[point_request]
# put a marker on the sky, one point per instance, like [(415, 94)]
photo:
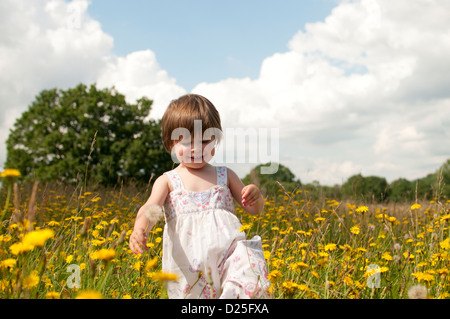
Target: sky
[(328, 88)]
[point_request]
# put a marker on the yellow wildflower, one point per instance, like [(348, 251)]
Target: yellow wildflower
[(362, 209), (291, 287), (52, 295), (137, 265), (386, 256), (355, 230), (151, 264), (19, 248), (298, 264), (445, 244), (274, 275), (330, 247), (89, 294), (103, 254), (163, 276), (31, 281), (38, 237), (415, 206), (8, 263), (423, 276), (10, 172)]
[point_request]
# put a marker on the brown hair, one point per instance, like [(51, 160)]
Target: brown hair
[(182, 112)]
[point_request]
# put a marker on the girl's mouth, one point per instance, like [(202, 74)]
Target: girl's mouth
[(197, 159)]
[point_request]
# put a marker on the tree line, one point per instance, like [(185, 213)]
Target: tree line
[(85, 133), (358, 187)]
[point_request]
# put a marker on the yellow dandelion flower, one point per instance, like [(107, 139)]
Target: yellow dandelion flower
[(19, 248), (37, 237), (52, 295), (392, 219), (330, 247), (69, 259), (89, 294), (245, 227), (10, 172), (423, 276), (415, 206), (163, 276), (151, 264), (348, 280), (127, 296), (292, 287), (298, 264), (274, 275), (8, 263), (103, 254), (137, 265), (386, 256), (362, 209), (445, 244), (53, 223), (31, 281), (355, 230)]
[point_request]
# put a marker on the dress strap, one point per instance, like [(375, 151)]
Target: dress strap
[(222, 176), (175, 179)]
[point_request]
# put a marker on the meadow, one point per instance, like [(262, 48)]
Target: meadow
[(60, 241)]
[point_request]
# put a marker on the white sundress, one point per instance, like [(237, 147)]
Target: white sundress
[(202, 244)]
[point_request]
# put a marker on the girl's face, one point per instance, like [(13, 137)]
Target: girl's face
[(194, 152)]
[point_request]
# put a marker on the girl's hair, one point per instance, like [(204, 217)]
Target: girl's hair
[(182, 112)]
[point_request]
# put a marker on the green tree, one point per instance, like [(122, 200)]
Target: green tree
[(268, 182), (366, 188), (67, 133), (402, 190)]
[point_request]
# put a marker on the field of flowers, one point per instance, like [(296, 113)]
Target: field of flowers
[(58, 241)]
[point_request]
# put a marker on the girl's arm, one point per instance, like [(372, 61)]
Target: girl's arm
[(142, 225), (249, 197)]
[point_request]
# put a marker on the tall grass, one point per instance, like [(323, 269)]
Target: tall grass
[(315, 248)]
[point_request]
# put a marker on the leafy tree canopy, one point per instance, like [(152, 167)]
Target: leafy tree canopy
[(268, 182), (67, 133), (368, 188)]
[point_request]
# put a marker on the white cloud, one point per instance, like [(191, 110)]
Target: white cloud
[(138, 74), (365, 91), (54, 43)]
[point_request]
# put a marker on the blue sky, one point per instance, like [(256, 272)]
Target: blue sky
[(205, 40), (353, 86)]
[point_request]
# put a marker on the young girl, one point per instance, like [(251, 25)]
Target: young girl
[(202, 243)]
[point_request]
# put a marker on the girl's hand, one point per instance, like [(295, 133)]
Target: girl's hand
[(250, 195), (138, 240)]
